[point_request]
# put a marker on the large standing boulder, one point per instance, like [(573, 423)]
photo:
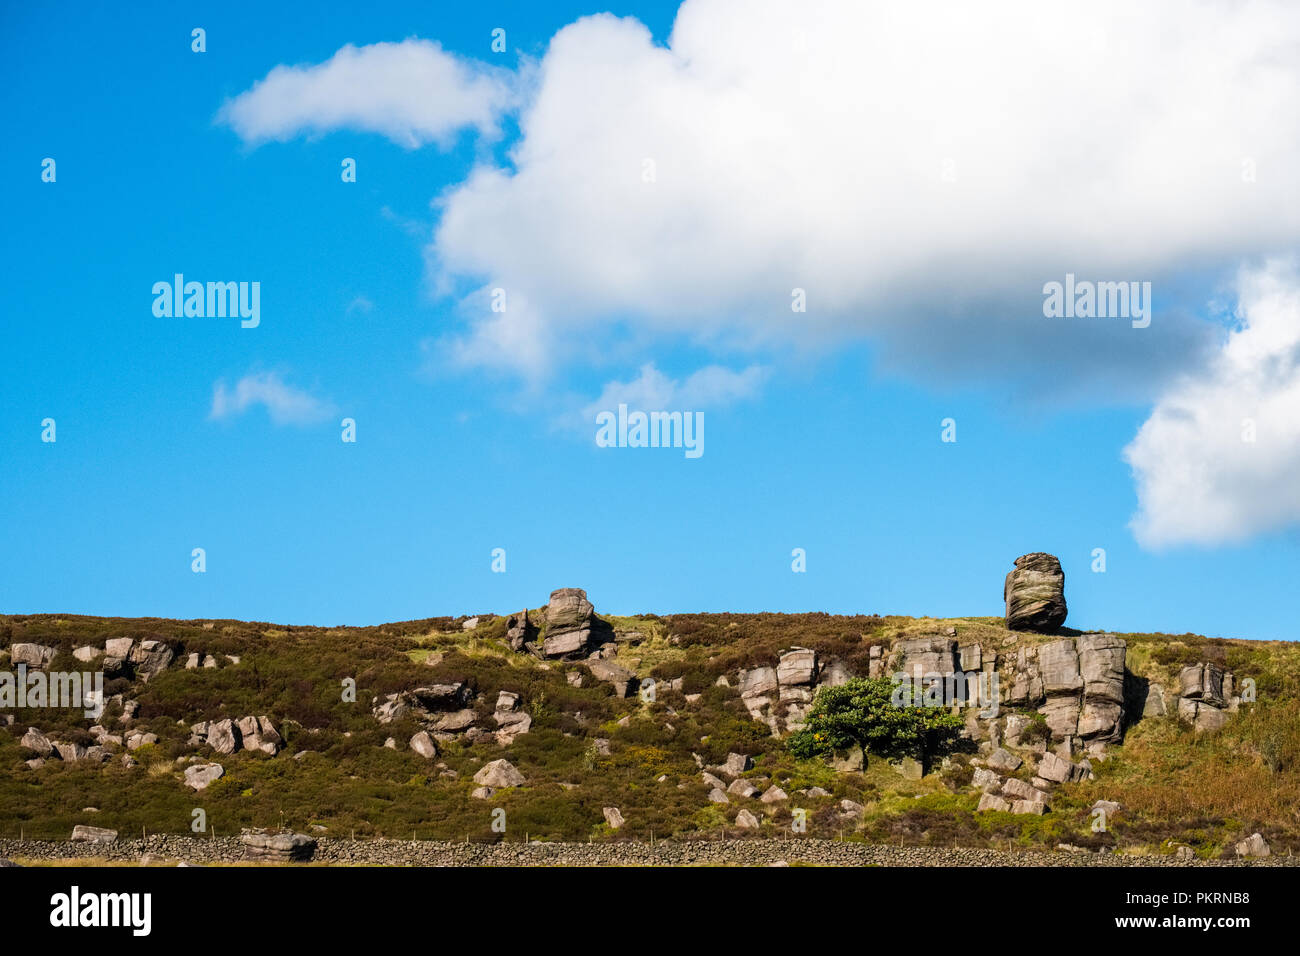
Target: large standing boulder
[(1035, 594), (569, 623)]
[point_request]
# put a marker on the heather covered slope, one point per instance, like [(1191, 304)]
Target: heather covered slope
[(580, 746)]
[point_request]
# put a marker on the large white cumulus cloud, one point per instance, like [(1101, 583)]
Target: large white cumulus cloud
[(1219, 459), (920, 169)]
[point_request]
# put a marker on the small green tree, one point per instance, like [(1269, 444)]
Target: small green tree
[(877, 716)]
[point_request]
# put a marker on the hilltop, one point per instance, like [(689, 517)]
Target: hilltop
[(677, 723)]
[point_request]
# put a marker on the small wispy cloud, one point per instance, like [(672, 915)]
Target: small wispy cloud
[(284, 404), (713, 386)]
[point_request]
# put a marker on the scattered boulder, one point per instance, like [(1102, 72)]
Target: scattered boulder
[(265, 846), (257, 733), (614, 817), (33, 655), (1054, 768), (37, 741), (519, 630), (139, 738), (499, 774), (1205, 696), (746, 820), (1004, 761), (438, 697), (511, 724), (84, 834), (198, 776), (740, 787), (454, 722), (1029, 806), (423, 745), (1108, 807), (797, 667), (774, 794), (219, 735), (116, 652), (736, 764), (991, 801), (1154, 705), (623, 681), (69, 753), (1253, 846), (910, 768), (713, 781), (149, 658), (1019, 790), (1034, 593)]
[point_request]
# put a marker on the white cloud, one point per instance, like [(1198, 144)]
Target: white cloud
[(806, 145), (284, 404), (413, 92), (710, 387), (1198, 482)]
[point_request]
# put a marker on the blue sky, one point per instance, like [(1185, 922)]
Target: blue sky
[(822, 428)]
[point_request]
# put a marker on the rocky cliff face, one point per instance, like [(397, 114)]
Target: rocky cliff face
[(455, 697)]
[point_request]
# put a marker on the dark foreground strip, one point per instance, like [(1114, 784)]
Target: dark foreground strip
[(304, 905)]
